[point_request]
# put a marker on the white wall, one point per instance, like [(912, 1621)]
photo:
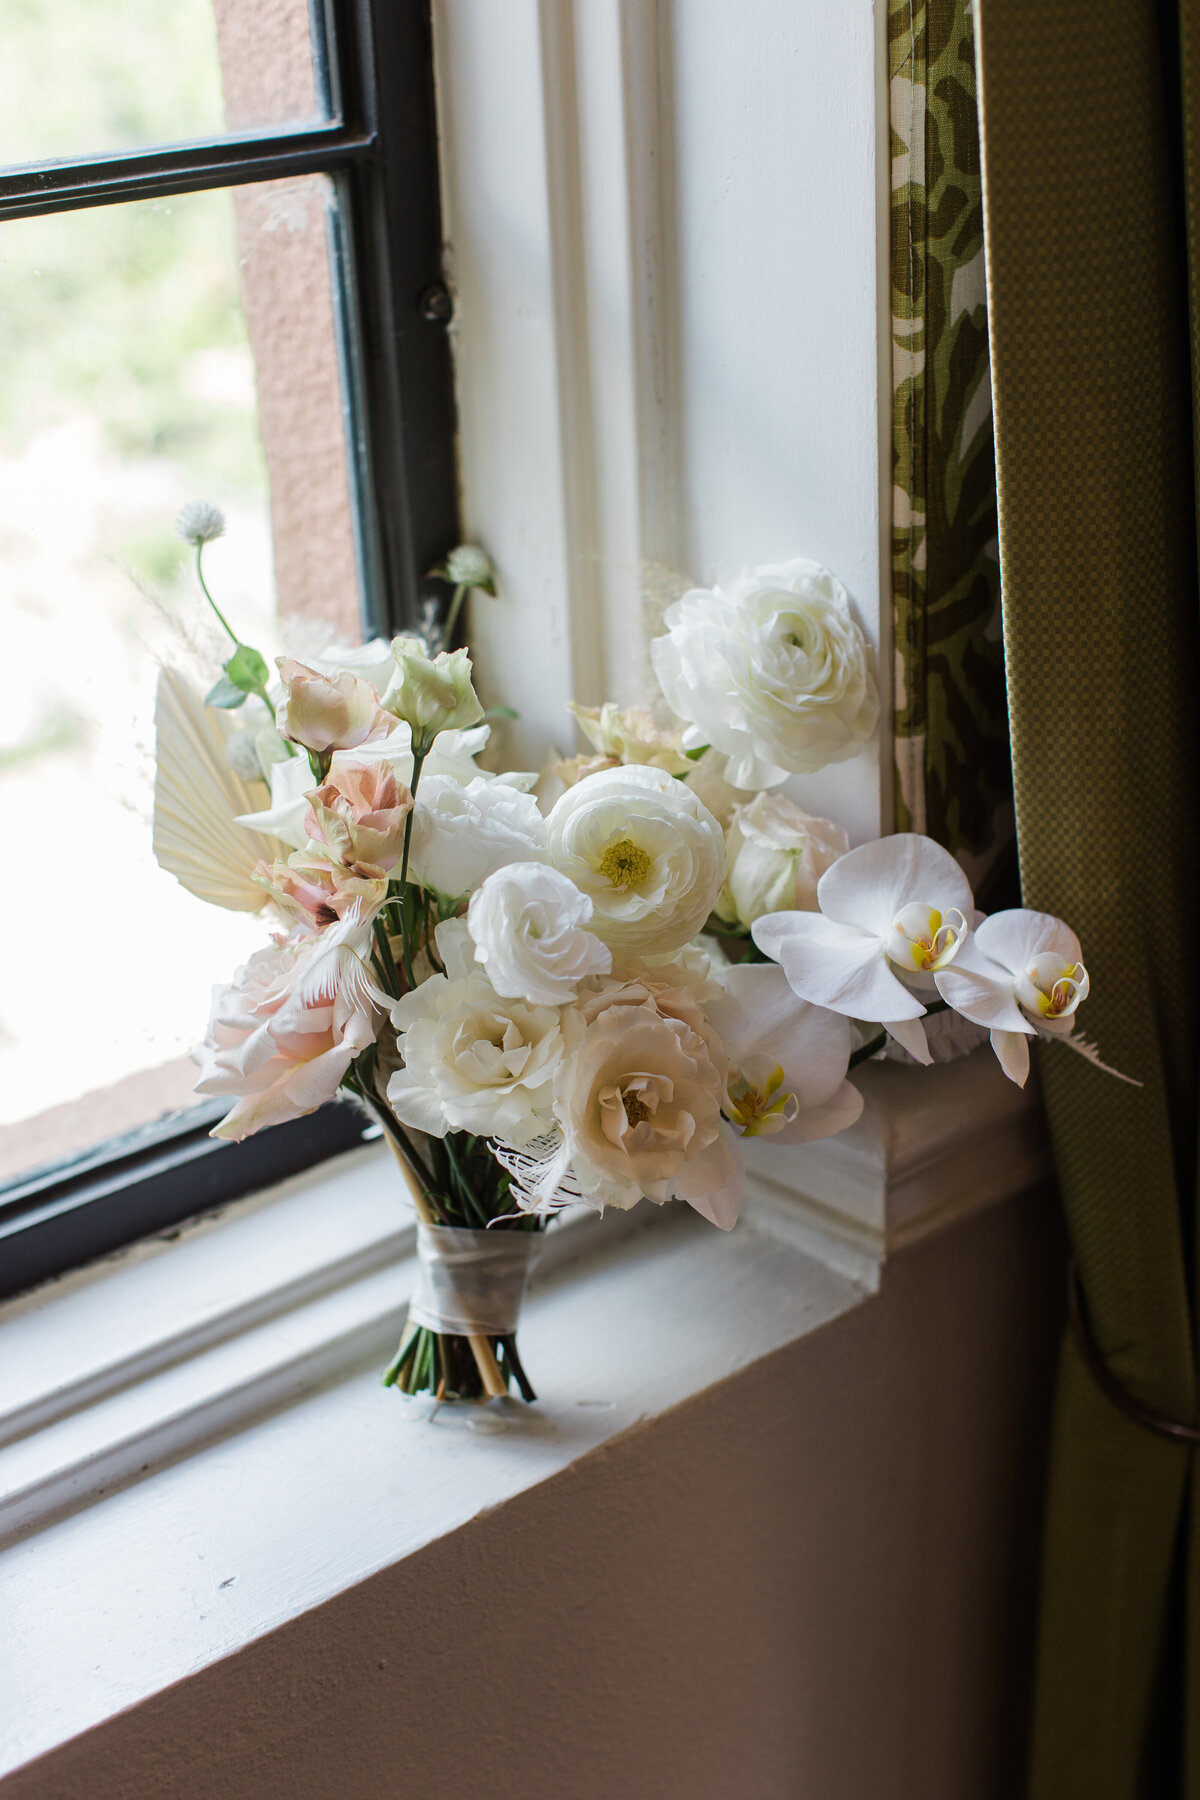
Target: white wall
[(666, 231)]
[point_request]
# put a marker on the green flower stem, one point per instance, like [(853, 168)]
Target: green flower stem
[(406, 936), (460, 594), (234, 639), (387, 960)]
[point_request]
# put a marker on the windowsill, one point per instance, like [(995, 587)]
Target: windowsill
[(195, 1447)]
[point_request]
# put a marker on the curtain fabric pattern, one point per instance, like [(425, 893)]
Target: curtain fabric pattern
[(1090, 167), (951, 744)]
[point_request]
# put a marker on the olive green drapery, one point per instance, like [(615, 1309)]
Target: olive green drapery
[(1090, 116)]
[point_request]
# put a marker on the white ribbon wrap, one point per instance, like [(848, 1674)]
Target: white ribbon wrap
[(471, 1282)]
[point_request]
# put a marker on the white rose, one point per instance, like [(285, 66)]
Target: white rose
[(775, 856), (527, 923), (461, 835), (648, 854), (473, 1061), (638, 1102), (775, 673)]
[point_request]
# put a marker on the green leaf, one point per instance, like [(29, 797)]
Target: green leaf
[(225, 694), (695, 755), (501, 712), (247, 670)]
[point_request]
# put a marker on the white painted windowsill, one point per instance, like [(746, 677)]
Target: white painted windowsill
[(195, 1447)]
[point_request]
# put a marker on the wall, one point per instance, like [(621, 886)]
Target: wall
[(665, 239), (814, 1581)]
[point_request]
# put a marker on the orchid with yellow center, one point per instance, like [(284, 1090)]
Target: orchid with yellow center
[(921, 938), (1021, 977), (787, 1060), (894, 914)]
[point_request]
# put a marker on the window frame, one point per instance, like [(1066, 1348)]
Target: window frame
[(374, 64)]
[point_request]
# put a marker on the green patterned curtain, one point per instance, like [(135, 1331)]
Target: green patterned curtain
[(951, 740)]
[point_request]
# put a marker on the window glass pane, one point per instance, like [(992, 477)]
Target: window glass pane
[(150, 354), (79, 78)]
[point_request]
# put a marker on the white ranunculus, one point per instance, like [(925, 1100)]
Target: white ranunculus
[(473, 1061), (528, 924), (461, 835), (775, 856), (648, 854), (775, 672)]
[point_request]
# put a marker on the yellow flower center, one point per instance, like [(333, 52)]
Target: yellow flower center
[(924, 939), (625, 864), (760, 1114)]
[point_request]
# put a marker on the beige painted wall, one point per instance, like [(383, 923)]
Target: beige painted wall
[(815, 1582)]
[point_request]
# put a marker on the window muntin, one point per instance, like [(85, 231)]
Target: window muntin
[(378, 148)]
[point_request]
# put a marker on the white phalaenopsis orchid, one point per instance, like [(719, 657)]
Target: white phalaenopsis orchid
[(894, 913), (787, 1059), (1020, 976)]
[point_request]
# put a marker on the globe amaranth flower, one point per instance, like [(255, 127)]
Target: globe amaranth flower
[(894, 914), (775, 672), (647, 853), (199, 522)]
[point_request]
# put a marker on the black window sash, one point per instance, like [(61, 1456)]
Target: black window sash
[(374, 61)]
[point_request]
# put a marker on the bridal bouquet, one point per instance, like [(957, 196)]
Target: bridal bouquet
[(586, 996)]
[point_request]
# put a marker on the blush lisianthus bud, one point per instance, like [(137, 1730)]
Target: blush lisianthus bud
[(327, 712)]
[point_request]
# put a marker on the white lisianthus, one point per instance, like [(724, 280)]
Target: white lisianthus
[(528, 924), (431, 693), (371, 662), (894, 914), (461, 835), (775, 856), (776, 672), (472, 1060), (648, 854), (452, 757)]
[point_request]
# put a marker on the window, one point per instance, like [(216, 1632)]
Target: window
[(221, 279)]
